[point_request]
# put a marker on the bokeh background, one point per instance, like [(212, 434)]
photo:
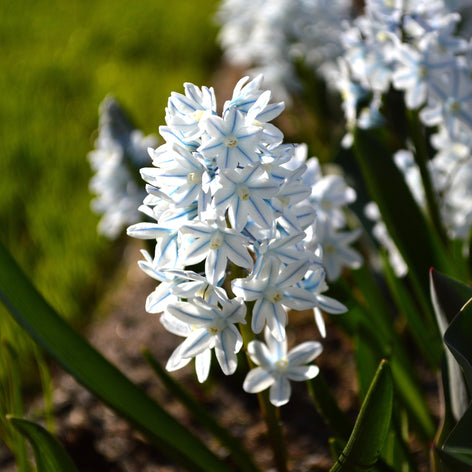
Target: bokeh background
[(58, 61)]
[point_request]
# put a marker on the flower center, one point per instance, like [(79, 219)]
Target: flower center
[(458, 149), (382, 36), (197, 114), (217, 326), (194, 178), (275, 296), (216, 240), (330, 249), (326, 205), (231, 141), (244, 193), (422, 71), (284, 200), (453, 105), (282, 364), (205, 291)]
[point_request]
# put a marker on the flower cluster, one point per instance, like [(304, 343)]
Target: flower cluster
[(413, 47), (274, 36), (119, 151), (416, 47), (237, 239)]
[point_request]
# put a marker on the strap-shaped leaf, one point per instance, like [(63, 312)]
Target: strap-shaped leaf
[(97, 374), (370, 431), (458, 339), (456, 452), (240, 455), (48, 452), (369, 350), (428, 341), (419, 245), (448, 297), (459, 442)]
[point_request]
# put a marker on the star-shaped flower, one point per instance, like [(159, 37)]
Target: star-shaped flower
[(277, 366), (243, 193), (274, 287), (216, 243), (209, 327), (231, 141)]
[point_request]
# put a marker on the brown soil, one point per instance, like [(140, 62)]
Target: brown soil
[(98, 440)]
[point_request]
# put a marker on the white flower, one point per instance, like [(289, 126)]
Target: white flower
[(119, 152), (406, 163), (274, 287), (182, 176), (215, 244), (209, 327), (277, 366), (383, 237), (166, 252), (231, 141), (243, 192), (336, 251), (185, 112), (315, 283), (416, 70), (451, 102)]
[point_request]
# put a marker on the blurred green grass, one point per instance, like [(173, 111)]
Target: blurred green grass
[(58, 60)]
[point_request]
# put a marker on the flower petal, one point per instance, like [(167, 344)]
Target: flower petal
[(280, 392), (257, 379), (302, 372), (202, 365), (304, 353)]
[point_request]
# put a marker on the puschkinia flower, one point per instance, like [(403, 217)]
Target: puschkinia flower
[(277, 367), (273, 37), (273, 288), (234, 221), (245, 193), (120, 150), (231, 141), (415, 48), (209, 327), (214, 243)]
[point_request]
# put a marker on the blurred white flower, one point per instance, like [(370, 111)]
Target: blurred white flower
[(120, 150)]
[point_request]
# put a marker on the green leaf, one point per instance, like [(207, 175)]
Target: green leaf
[(459, 442), (429, 341), (419, 245), (448, 297), (450, 294), (369, 350), (49, 454), (458, 339), (448, 418), (372, 425), (450, 463), (328, 408), (97, 374), (456, 452), (13, 399), (240, 455)]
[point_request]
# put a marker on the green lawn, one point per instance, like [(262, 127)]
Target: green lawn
[(58, 60)]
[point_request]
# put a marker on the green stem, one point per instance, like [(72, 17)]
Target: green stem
[(270, 413), (271, 416)]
